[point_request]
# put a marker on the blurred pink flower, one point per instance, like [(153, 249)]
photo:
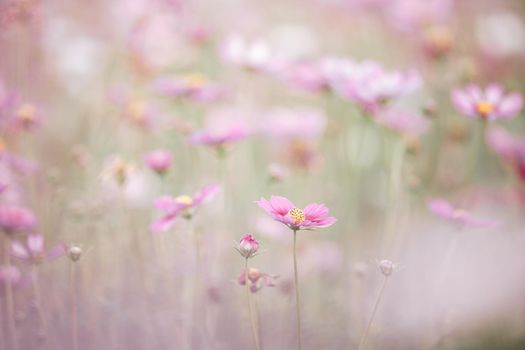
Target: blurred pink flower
[(192, 86), (402, 122), (16, 218), (255, 56), (489, 103), (26, 117), (290, 123), (10, 274), (459, 216), (184, 206), (248, 246), (277, 172), (218, 138), (33, 250), (509, 147), (307, 76), (313, 216), (369, 84), (159, 161), (256, 279)]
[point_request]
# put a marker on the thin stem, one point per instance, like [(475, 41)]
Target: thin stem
[(10, 306), (250, 311), (37, 298), (74, 317), (296, 283), (367, 330)]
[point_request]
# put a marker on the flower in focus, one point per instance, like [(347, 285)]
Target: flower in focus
[(313, 216), (444, 209), (256, 279), (159, 161), (16, 218), (489, 104), (248, 246), (34, 252), (183, 205)]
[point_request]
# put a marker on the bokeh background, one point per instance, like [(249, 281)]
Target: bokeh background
[(89, 88)]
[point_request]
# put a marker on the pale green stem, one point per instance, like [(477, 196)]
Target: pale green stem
[(250, 311), (10, 306), (74, 317), (374, 311), (296, 283)]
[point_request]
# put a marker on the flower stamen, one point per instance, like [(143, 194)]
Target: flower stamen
[(297, 215), (484, 108)]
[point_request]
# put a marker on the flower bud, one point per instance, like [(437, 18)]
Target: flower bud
[(248, 246), (74, 253), (159, 161), (386, 267)]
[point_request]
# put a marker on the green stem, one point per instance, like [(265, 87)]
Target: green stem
[(374, 311), (296, 283), (74, 317), (10, 302), (250, 311)]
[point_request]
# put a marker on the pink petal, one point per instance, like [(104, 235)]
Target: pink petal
[(19, 251), (163, 224), (281, 205), (166, 203), (463, 102), (206, 193), (441, 207), (494, 93), (57, 251), (314, 211), (510, 105), (35, 243)]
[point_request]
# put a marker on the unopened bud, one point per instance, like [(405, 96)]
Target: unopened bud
[(74, 253), (386, 267)]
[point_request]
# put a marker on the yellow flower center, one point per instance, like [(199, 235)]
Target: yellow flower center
[(184, 199), (120, 171), (136, 110), (195, 80), (484, 108), (297, 215), (26, 113)]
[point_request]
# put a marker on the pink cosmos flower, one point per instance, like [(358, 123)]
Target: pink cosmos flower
[(218, 138), (290, 123), (159, 161), (33, 250), (181, 206), (459, 216), (402, 122), (248, 246), (489, 103), (256, 279), (16, 218), (307, 76), (193, 86), (369, 84), (313, 216), (254, 56), (509, 147)]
